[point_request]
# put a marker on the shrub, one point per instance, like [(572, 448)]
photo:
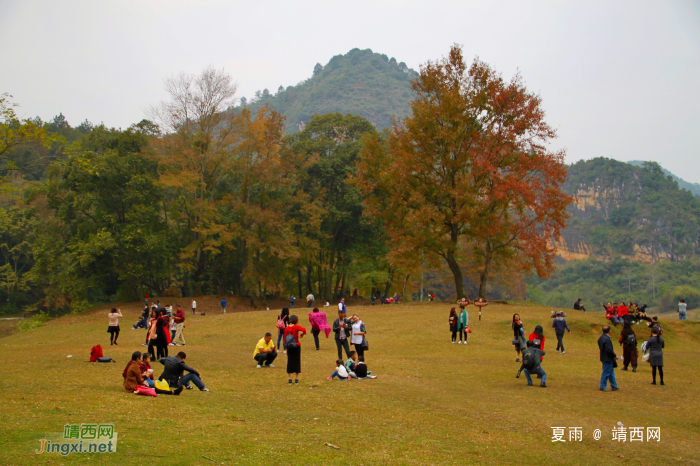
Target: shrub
[(33, 322)]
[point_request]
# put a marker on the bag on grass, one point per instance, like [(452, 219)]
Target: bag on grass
[(162, 385), (95, 353), (146, 391), (105, 359)]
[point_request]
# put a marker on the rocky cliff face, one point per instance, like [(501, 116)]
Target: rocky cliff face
[(623, 210)]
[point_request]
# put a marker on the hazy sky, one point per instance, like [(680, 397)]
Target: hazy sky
[(618, 79)]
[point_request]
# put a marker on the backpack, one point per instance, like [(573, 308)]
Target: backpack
[(290, 342), (536, 342), (280, 322), (529, 360), (631, 340)]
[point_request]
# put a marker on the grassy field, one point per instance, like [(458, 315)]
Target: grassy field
[(433, 403)]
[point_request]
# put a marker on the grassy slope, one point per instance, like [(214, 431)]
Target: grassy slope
[(433, 402)]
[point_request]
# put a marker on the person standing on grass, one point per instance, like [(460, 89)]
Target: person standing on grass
[(223, 305), (282, 324), (318, 322), (342, 308), (113, 328), (655, 345), (559, 324), (358, 335), (342, 328), (194, 307), (537, 337), (607, 357), (161, 334), (518, 332), (292, 337), (453, 324), (179, 339), (463, 324), (265, 351), (682, 309), (292, 302), (309, 300), (628, 340)]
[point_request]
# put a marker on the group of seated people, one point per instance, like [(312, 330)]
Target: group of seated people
[(139, 373), (622, 314), (353, 368)]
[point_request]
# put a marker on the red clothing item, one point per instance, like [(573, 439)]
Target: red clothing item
[(609, 312), (532, 338), (622, 311), (179, 316), (144, 367), (294, 330)]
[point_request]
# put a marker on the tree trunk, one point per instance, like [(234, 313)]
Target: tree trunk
[(457, 273), (388, 283), (485, 274), (405, 282), (299, 277)]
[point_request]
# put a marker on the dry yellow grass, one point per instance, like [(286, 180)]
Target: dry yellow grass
[(433, 403)]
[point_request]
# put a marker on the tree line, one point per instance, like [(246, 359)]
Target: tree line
[(208, 198)]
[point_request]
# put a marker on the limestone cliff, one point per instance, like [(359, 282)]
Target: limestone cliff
[(623, 210)]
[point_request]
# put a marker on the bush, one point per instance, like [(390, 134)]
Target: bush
[(687, 292), (33, 322)]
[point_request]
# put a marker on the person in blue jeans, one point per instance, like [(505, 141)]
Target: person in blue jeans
[(173, 373), (607, 357), (223, 305), (537, 354)]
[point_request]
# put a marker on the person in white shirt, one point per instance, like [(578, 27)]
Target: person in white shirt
[(682, 308), (340, 371), (358, 334), (194, 307), (113, 328), (309, 300)]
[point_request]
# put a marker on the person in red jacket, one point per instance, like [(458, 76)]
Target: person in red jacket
[(180, 322), (537, 336), (610, 313), (622, 313), (294, 352)]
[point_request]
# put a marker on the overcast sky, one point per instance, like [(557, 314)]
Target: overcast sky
[(618, 79)]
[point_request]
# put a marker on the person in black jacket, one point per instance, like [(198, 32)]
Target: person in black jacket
[(656, 355), (174, 369), (607, 357), (343, 330)]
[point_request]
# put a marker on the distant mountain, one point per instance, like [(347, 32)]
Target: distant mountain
[(692, 187), (620, 209), (361, 82)]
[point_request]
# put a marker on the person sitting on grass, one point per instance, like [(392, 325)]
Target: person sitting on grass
[(340, 371), (265, 351), (578, 305), (351, 363), (174, 367), (611, 313), (361, 370), (531, 364), (146, 371), (134, 379)]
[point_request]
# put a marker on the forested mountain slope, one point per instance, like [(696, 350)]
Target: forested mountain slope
[(360, 82)]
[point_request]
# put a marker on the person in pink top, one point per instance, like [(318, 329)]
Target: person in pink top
[(113, 328), (318, 322)]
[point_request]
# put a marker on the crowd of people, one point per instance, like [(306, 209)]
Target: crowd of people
[(532, 350), (165, 327)]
